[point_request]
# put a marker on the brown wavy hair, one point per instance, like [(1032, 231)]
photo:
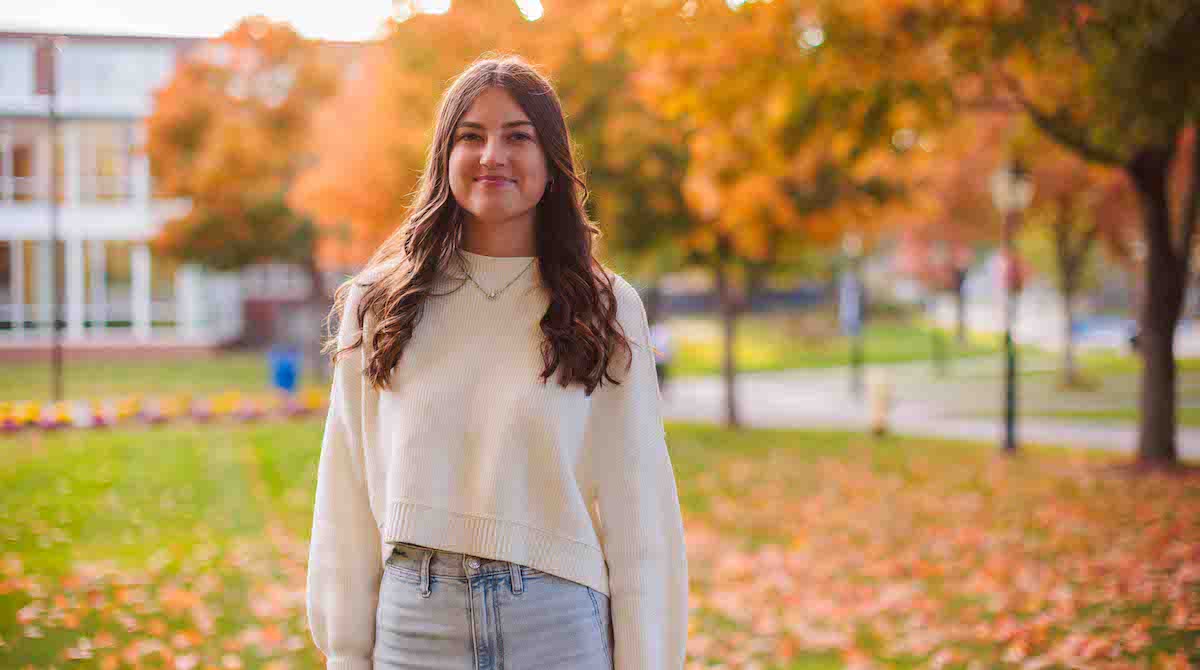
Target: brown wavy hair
[(580, 326)]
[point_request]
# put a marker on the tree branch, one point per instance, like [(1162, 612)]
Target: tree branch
[(1059, 127), (1080, 44), (984, 104)]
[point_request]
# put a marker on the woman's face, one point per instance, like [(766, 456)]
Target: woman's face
[(496, 139)]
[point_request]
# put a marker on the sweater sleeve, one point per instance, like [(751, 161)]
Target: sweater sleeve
[(641, 524), (344, 564)]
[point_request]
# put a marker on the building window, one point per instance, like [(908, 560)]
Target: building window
[(105, 161), (114, 69), (16, 68), (22, 160), (96, 159)]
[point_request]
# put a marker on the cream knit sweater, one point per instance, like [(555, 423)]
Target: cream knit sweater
[(470, 452)]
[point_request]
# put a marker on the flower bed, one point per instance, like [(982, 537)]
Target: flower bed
[(155, 410)]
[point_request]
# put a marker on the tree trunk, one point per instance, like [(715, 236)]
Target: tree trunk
[(1069, 371), (756, 278), (757, 271), (960, 307), (728, 314), (1165, 278)]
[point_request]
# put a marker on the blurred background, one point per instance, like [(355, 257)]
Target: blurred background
[(920, 277)]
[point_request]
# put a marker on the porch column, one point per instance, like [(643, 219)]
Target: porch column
[(72, 163), (42, 167), (140, 295), (8, 170), (45, 286), (141, 168), (75, 299), (98, 279), (16, 284), (189, 306)]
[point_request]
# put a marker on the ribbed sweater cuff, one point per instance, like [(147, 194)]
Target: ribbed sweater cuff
[(351, 663)]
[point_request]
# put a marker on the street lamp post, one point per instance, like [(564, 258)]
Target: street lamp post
[(1012, 190)]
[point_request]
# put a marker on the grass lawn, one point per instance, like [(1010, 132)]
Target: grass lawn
[(781, 341), (1110, 393), (93, 379), (1093, 364), (184, 547), (1186, 416), (1105, 362)]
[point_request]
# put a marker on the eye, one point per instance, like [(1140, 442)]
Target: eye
[(467, 136), (522, 136)]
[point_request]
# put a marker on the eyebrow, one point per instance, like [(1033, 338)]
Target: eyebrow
[(510, 124)]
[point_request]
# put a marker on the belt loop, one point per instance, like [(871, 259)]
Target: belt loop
[(425, 591), (517, 585)]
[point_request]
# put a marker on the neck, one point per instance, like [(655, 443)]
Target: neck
[(506, 239)]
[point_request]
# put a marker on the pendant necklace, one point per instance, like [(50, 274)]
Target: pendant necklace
[(491, 295)]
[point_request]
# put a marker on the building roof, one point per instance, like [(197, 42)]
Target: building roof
[(181, 40)]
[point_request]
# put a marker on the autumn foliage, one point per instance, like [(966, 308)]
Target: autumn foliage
[(228, 133)]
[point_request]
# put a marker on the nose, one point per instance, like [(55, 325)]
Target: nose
[(493, 153)]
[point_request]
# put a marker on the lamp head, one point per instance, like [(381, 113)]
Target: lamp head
[(852, 244), (1012, 187)]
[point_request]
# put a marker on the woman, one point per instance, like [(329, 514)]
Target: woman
[(489, 493)]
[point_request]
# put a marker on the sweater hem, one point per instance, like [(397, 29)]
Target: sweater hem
[(496, 539), (348, 663)]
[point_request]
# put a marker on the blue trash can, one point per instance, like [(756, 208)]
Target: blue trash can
[(284, 362)]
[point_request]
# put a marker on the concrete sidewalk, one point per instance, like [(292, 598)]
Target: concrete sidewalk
[(921, 407)]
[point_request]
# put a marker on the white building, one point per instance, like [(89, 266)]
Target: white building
[(115, 292)]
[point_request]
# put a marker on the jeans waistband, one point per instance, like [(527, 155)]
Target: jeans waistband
[(444, 563)]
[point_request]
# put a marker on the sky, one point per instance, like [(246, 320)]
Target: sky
[(338, 20)]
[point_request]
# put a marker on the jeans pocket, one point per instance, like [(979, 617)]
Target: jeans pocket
[(396, 575), (527, 571), (401, 571), (405, 560)]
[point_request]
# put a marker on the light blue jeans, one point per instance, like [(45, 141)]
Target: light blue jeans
[(442, 610)]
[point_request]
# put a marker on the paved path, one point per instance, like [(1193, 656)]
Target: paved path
[(923, 407)]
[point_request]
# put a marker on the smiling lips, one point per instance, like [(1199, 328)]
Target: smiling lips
[(493, 181)]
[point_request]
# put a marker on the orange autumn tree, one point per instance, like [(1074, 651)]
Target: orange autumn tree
[(1076, 207), (787, 147), (951, 212), (635, 157), (228, 133), (1114, 83)]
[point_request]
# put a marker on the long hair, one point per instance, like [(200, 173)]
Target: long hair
[(580, 327)]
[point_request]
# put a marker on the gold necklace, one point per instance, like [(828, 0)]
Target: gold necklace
[(491, 295)]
